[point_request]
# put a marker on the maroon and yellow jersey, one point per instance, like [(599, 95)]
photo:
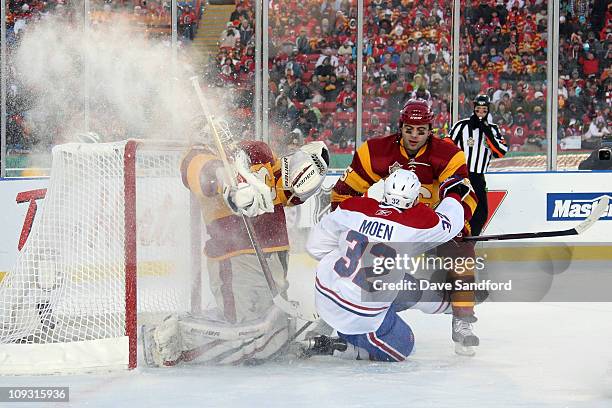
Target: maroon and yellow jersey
[(228, 235), (436, 161)]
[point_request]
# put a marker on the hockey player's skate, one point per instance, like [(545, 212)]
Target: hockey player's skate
[(463, 335), (322, 346)]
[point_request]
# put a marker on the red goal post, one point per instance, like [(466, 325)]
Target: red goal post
[(116, 243)]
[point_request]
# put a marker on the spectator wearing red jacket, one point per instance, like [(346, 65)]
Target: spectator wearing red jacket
[(186, 22), (590, 64), (346, 98)]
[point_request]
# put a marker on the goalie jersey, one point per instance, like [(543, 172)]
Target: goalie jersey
[(341, 239), (228, 235)]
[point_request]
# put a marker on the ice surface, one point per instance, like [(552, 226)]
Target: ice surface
[(531, 355)]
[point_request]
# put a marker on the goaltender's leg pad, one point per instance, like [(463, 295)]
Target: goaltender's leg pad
[(200, 340)]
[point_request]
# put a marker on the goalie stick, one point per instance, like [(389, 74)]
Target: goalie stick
[(577, 230), (289, 307)]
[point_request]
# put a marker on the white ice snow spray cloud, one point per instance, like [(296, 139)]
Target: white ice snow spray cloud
[(133, 88)]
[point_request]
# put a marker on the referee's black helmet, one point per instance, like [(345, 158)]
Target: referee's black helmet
[(482, 100)]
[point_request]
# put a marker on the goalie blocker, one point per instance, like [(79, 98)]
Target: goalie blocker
[(244, 300)]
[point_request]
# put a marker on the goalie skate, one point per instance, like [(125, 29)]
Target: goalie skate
[(151, 355), (161, 344)]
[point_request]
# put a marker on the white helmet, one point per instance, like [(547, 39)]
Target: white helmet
[(402, 189)]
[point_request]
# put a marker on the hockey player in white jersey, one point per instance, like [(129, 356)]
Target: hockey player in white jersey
[(370, 328)]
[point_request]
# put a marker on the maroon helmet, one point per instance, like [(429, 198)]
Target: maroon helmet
[(416, 112)]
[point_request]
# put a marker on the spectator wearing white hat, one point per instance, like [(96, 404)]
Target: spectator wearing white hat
[(229, 37), (595, 133), (346, 49)]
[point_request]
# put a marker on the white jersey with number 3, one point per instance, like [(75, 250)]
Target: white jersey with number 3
[(342, 236)]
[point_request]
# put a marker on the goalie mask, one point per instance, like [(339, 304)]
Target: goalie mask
[(402, 189), (304, 171), (88, 137), (201, 131)]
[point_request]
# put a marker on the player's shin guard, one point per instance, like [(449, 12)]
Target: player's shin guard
[(462, 273), (200, 340), (462, 300), (246, 343)]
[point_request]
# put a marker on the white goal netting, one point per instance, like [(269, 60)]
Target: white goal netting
[(67, 293)]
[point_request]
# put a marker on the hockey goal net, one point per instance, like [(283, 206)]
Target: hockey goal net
[(115, 240)]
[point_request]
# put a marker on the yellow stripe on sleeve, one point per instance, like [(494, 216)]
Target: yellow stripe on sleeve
[(193, 172), (363, 153), (457, 161), (338, 198), (356, 182)]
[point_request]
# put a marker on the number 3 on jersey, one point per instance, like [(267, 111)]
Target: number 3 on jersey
[(346, 265)]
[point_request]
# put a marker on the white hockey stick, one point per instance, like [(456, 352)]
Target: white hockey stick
[(597, 212), (289, 307)]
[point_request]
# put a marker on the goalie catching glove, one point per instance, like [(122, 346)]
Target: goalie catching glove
[(304, 171), (455, 184)]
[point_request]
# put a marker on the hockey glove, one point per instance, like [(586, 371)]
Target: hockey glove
[(304, 171), (246, 199), (455, 184), (252, 198)]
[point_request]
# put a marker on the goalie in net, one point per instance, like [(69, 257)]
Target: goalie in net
[(245, 326)]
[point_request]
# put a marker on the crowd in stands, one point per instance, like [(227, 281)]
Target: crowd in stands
[(407, 53), (585, 63), (506, 58), (19, 14), (152, 17)]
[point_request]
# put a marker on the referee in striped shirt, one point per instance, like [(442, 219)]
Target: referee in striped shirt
[(480, 140)]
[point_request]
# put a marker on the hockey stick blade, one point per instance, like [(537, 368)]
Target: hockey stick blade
[(285, 347), (597, 212)]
